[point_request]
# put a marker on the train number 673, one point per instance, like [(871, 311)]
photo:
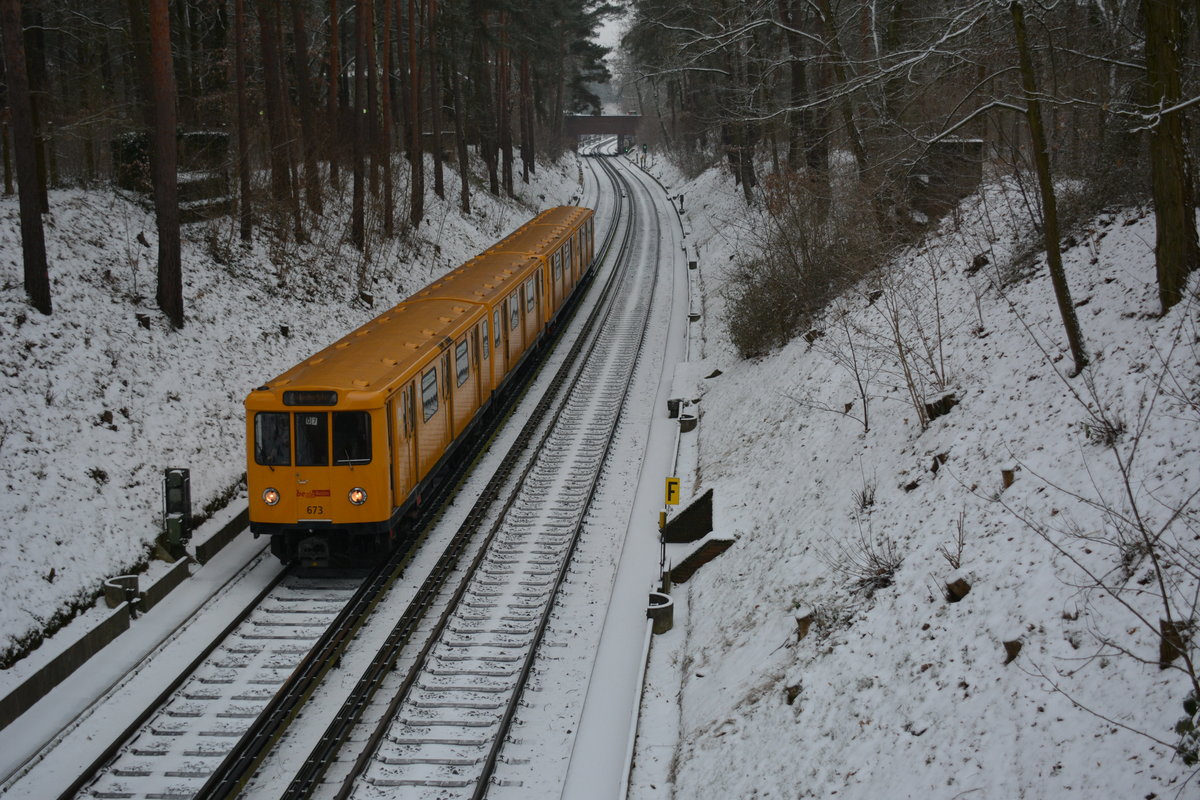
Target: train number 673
[(314, 510)]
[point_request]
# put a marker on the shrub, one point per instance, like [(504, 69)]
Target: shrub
[(808, 250)]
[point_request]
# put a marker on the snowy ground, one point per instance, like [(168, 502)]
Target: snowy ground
[(900, 693), (94, 405), (895, 693)]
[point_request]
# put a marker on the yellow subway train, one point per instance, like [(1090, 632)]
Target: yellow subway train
[(342, 447)]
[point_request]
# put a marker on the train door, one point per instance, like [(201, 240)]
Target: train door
[(483, 366), (529, 311), (568, 253), (433, 421), (513, 332), (498, 344), (557, 279), (448, 394), (541, 308), (402, 418), (466, 382), (311, 435)]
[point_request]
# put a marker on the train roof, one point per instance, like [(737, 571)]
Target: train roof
[(377, 357), (484, 279), (542, 233)]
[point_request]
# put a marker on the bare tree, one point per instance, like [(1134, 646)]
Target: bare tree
[(33, 243), (1041, 158), (358, 213), (312, 177), (1176, 252), (164, 164), (245, 209)]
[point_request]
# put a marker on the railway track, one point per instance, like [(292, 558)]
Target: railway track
[(449, 730), (209, 739), (174, 752)]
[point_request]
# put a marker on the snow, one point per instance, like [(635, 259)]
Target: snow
[(895, 693), (901, 693), (95, 405)]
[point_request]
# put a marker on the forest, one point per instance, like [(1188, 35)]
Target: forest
[(264, 109), (889, 111)]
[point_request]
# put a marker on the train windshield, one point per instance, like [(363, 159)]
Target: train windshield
[(272, 442), (351, 437), (312, 439)]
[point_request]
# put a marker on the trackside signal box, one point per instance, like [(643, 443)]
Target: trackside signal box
[(177, 505)]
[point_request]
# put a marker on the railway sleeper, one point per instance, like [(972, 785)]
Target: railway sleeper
[(420, 741), (396, 761), (486, 686), (437, 784), (461, 705), (441, 722), (476, 673)]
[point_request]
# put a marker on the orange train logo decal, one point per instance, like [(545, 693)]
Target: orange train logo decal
[(312, 493)]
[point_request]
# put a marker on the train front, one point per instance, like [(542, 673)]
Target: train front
[(317, 472)]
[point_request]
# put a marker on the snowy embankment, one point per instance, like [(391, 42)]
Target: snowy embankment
[(99, 398), (803, 670)]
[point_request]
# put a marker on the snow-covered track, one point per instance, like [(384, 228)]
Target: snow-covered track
[(443, 733), (362, 720), (176, 751)]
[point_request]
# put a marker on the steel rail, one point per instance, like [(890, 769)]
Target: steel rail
[(489, 764), (110, 752), (309, 775), (367, 754), (238, 767)]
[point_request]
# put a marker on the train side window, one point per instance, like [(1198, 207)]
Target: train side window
[(497, 327), (462, 361), (567, 250), (429, 393), (272, 440), (312, 439), (485, 338), (514, 311), (557, 267), (529, 295), (351, 437)]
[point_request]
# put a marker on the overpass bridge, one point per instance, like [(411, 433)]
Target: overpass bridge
[(622, 126)]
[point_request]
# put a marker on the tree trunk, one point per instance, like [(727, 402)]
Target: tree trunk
[(245, 210), (1176, 252), (33, 242), (281, 189), (1041, 160), (35, 60), (488, 133), (389, 225), (312, 175), (503, 114), (358, 207), (164, 165), (406, 121), (435, 98), (334, 139), (527, 156), (373, 143), (460, 136), (857, 144), (416, 155)]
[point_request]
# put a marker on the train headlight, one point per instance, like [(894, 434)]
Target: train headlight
[(270, 496), (358, 496)]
